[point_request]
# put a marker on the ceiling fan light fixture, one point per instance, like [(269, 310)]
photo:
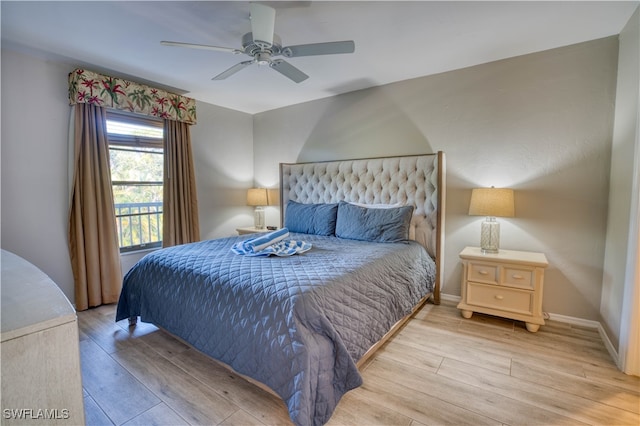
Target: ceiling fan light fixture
[(263, 58)]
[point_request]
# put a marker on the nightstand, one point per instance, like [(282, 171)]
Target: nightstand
[(251, 230), (506, 284)]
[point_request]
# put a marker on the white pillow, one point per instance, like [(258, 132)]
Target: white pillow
[(377, 206)]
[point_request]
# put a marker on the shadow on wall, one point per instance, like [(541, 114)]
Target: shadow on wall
[(363, 124), (460, 228), (223, 196), (565, 213)]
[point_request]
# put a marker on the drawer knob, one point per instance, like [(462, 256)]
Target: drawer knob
[(517, 276), (499, 296), (483, 272)]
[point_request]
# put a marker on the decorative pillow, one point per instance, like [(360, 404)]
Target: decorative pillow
[(319, 219), (383, 225)]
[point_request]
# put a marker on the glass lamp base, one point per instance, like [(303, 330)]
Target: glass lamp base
[(490, 236), (258, 218)]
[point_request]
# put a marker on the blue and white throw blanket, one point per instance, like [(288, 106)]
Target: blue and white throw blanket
[(273, 243)]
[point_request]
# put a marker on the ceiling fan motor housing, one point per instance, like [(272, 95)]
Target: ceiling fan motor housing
[(257, 48)]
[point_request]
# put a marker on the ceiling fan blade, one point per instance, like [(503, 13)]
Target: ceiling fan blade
[(288, 70), (234, 69), (200, 46), (263, 20), (329, 48)]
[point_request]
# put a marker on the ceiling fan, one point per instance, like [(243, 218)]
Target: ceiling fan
[(262, 44)]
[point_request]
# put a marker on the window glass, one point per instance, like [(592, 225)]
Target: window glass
[(136, 160)]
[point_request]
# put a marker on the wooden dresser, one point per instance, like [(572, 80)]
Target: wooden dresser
[(508, 284), (41, 379)]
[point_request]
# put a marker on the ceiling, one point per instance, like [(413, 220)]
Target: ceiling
[(394, 40)]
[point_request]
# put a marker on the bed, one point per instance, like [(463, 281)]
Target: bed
[(302, 324)]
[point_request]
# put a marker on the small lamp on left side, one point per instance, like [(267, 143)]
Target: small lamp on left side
[(257, 197)]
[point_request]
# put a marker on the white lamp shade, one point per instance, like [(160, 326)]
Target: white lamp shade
[(492, 202), (257, 197), (273, 196)]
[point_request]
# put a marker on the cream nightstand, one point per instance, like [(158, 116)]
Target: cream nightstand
[(506, 284), (251, 230)]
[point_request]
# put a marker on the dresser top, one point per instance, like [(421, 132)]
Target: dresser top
[(31, 301), (506, 256)]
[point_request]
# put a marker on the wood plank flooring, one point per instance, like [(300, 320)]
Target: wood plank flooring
[(438, 369)]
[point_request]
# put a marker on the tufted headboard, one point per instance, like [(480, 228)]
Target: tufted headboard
[(416, 180)]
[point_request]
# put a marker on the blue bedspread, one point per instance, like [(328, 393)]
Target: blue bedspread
[(298, 324)]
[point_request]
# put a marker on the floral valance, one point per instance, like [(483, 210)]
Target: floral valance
[(110, 92)]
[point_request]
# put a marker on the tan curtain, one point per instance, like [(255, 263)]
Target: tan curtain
[(180, 202), (93, 238)]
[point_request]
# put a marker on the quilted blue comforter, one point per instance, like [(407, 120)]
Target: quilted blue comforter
[(298, 324)]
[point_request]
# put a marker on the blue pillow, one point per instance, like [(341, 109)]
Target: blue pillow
[(318, 219), (369, 224)]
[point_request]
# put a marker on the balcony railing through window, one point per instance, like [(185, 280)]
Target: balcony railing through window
[(139, 225)]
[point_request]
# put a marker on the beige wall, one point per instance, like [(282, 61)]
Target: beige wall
[(35, 188), (539, 123), (34, 164)]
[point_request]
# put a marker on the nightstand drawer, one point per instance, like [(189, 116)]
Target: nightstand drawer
[(518, 277), (502, 298), (482, 272)]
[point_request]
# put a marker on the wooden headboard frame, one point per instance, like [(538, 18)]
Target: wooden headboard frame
[(417, 180)]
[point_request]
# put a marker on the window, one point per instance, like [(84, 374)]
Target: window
[(136, 158)]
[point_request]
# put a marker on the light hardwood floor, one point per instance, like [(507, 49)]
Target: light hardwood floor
[(439, 369)]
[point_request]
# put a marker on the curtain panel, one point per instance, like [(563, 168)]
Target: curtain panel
[(180, 201), (92, 88), (93, 237)]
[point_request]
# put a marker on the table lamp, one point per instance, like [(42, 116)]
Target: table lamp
[(257, 197), (491, 202)]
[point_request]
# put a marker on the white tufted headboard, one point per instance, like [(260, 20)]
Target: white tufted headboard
[(416, 180)]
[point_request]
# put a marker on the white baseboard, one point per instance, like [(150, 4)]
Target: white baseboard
[(573, 320), (568, 320), (449, 297), (591, 324), (607, 344)]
